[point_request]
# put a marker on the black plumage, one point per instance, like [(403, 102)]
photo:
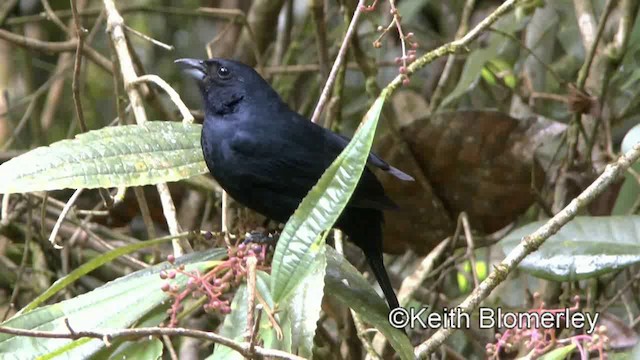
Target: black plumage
[(268, 157)]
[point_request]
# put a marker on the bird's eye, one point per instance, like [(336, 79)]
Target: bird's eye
[(224, 73)]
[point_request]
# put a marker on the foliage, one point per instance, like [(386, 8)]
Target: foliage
[(500, 135)]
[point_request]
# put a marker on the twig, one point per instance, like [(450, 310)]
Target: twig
[(252, 263), (532, 242), (23, 261), (115, 29), (591, 40), (586, 66), (448, 67), (180, 246), (283, 38), (225, 218), (255, 330), (317, 12), (326, 91), (144, 210), (55, 93), (148, 38), (125, 9), (470, 247), (173, 95), (415, 280), (620, 292), (76, 66), (56, 47), (362, 330), (63, 215), (172, 351), (53, 17), (533, 54), (302, 68), (108, 336)]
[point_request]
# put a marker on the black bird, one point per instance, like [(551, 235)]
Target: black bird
[(268, 157)]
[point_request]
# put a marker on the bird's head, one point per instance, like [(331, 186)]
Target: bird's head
[(226, 84)]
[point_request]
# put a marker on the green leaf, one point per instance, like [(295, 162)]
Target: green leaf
[(304, 307), (148, 349), (130, 155), (115, 305), (584, 248), (630, 190), (300, 242), (347, 285), (89, 267), (559, 354)]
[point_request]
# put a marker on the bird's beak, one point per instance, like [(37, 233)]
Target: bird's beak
[(194, 67)]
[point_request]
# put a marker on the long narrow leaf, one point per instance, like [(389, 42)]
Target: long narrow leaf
[(159, 151), (89, 267)]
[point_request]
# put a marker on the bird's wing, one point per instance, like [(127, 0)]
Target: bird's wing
[(291, 160), (374, 160)]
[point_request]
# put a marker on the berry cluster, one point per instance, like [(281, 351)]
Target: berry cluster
[(408, 55), (217, 284), (539, 341)]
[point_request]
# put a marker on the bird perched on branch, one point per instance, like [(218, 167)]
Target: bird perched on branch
[(268, 157)]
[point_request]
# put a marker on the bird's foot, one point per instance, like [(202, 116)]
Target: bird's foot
[(261, 238)]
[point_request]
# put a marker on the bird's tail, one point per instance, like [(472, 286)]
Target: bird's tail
[(364, 228), (380, 272)]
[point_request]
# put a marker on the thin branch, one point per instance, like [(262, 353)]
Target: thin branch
[(129, 334), (56, 47), (326, 91), (51, 15), (470, 247), (23, 261), (77, 67), (173, 95), (115, 29), (586, 66), (144, 210), (63, 215), (592, 39), (317, 12), (252, 263), (149, 38), (448, 67), (225, 218), (524, 47)]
